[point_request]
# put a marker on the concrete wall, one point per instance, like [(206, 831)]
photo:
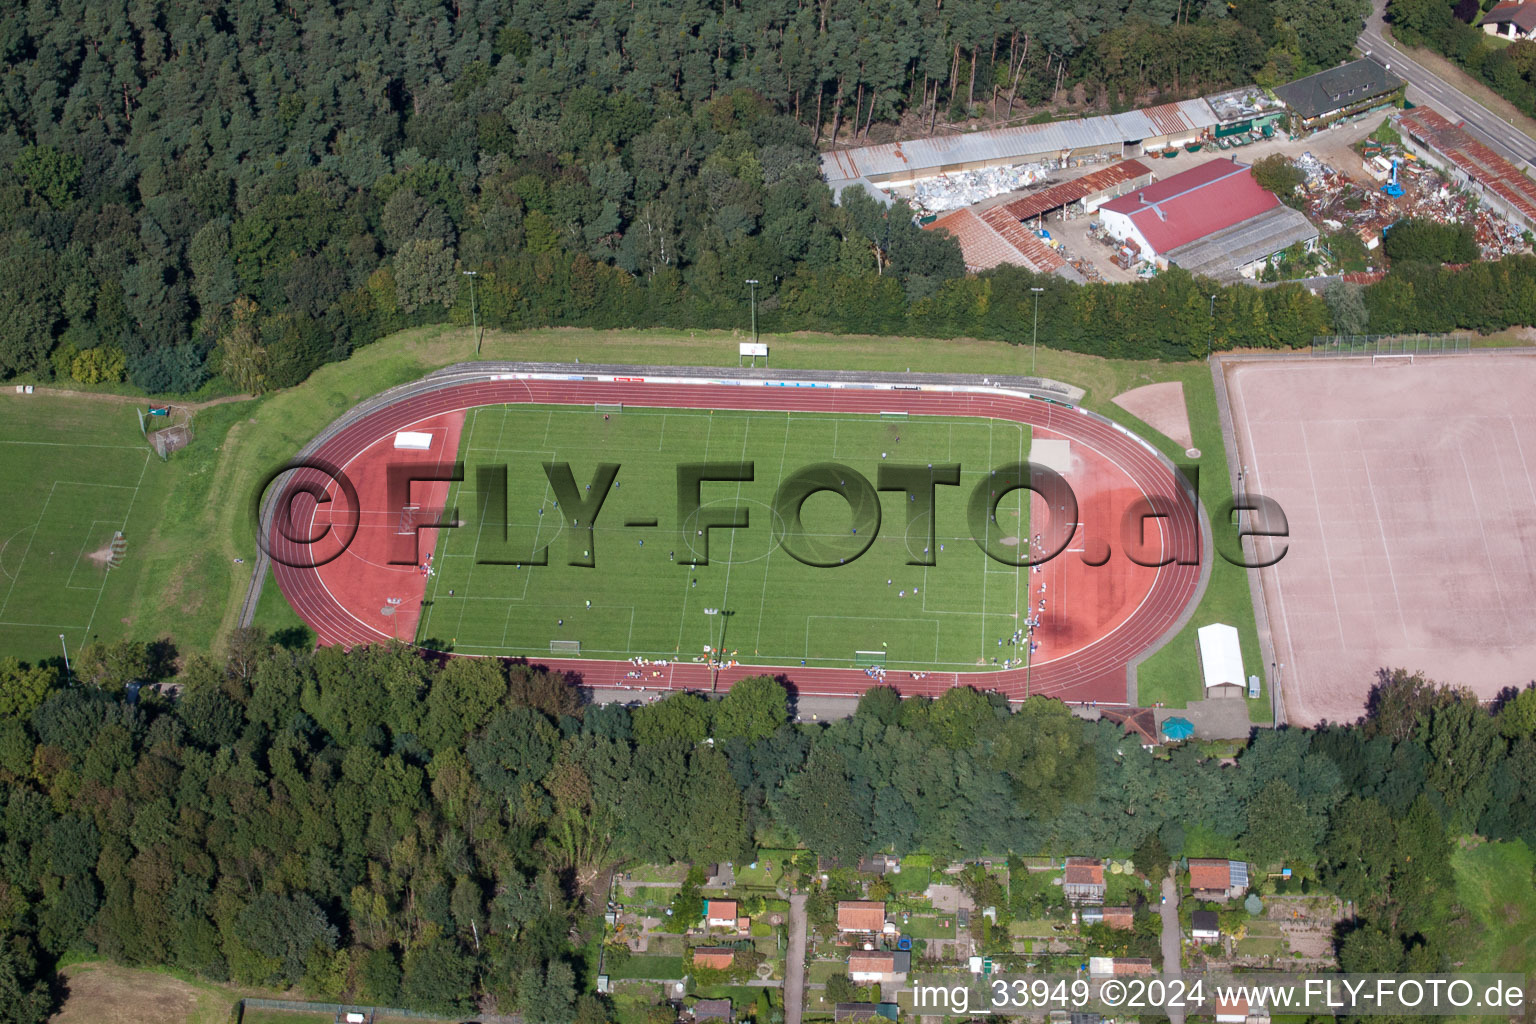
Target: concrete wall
[(1492, 200)]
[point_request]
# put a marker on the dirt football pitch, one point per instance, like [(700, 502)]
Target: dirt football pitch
[(1408, 490)]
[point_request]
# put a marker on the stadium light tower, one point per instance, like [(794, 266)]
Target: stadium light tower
[(474, 319), (65, 648), (753, 282), (1034, 349)]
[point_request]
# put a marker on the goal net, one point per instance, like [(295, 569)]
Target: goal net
[(1392, 359), (118, 549), (865, 659), (414, 517), (607, 407), (893, 415), (565, 647)]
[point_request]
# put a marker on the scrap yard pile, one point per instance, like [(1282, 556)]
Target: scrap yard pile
[(1367, 203), (966, 188)]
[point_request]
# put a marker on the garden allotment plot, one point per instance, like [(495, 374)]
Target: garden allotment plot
[(645, 601)]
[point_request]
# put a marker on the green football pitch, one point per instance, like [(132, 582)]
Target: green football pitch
[(645, 601), (76, 474)]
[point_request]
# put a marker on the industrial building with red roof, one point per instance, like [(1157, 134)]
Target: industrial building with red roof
[(1213, 219)]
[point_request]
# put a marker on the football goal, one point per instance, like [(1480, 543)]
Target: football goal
[(607, 407), (866, 659), (565, 647)]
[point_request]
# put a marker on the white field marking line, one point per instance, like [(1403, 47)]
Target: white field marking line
[(28, 549), (884, 620), (1156, 572), (682, 617), (40, 625), (1397, 599), (1273, 570), (1520, 450), (762, 600), (986, 561), (1322, 530), (424, 622), (732, 550), (1483, 532), (131, 500), (68, 444), (89, 532)]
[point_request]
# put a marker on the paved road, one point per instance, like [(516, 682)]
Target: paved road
[(1172, 937), (1443, 96), (810, 709), (794, 961)]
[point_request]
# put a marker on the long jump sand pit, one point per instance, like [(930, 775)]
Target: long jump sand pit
[(1412, 516)]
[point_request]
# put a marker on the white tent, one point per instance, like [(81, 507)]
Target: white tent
[(1221, 657)]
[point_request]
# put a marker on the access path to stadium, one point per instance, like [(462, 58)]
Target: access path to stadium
[(1099, 622)]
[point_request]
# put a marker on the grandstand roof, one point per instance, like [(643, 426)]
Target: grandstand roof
[(1194, 204), (1023, 142)]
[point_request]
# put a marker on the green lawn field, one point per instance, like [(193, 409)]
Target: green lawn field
[(76, 474), (646, 601), (1493, 882)]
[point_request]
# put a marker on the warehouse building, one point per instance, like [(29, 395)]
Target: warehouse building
[(1471, 164), (1003, 234), (1213, 219), (1058, 144), (992, 238), (1082, 195), (1345, 91)]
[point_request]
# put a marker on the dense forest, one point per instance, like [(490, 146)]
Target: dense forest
[(251, 190), (402, 831)]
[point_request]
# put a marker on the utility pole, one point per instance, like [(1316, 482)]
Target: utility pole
[(1034, 349), (474, 319), (753, 282), (1211, 341)]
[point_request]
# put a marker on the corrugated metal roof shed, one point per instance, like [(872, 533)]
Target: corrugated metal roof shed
[(1485, 166), (992, 238), (883, 198), (1071, 191), (1018, 144), (1223, 254)]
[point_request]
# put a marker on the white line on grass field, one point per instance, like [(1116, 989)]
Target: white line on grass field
[(28, 549), (682, 618), (762, 600), (71, 444), (90, 532), (102, 589)]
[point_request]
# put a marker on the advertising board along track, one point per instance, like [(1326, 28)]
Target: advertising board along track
[(1095, 673)]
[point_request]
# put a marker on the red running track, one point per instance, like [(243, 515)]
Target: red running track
[(1095, 673)]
